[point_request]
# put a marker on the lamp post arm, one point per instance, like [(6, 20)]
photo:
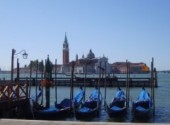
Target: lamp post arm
[(20, 52)]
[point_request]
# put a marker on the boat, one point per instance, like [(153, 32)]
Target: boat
[(88, 110), (117, 107), (60, 111), (91, 107), (141, 108), (57, 111)]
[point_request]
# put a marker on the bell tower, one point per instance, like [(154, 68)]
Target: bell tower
[(65, 51)]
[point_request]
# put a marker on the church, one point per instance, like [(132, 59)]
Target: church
[(89, 64)]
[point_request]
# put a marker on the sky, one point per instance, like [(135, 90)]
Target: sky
[(133, 30)]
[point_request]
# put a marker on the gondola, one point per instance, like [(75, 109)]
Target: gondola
[(142, 107), (60, 111), (90, 108), (117, 107)]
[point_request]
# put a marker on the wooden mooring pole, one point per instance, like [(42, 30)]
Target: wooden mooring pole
[(127, 83), (152, 86), (99, 85), (155, 78), (105, 82), (36, 81), (30, 82), (41, 67), (72, 77), (56, 81), (84, 98)]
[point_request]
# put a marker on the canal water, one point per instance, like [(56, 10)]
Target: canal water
[(162, 100)]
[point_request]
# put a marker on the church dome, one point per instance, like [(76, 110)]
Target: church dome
[(90, 55)]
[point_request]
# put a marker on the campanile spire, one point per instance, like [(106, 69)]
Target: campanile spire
[(65, 51)]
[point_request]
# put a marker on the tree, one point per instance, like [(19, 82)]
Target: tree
[(41, 66)]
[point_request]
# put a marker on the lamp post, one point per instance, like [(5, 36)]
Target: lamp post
[(25, 55)]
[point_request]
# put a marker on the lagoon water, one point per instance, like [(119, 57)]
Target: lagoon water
[(162, 101)]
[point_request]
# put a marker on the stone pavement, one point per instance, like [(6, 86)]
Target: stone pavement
[(38, 122)]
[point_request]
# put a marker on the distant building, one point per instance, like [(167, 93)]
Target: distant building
[(92, 64), (65, 67), (89, 64), (121, 67), (139, 68)]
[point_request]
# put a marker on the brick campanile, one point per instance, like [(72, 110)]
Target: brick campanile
[(65, 51)]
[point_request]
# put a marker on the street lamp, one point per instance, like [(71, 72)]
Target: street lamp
[(25, 55)]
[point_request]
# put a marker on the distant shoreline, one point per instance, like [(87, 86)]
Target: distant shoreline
[(5, 71), (163, 71)]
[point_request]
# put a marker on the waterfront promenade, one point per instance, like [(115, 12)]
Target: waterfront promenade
[(38, 122)]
